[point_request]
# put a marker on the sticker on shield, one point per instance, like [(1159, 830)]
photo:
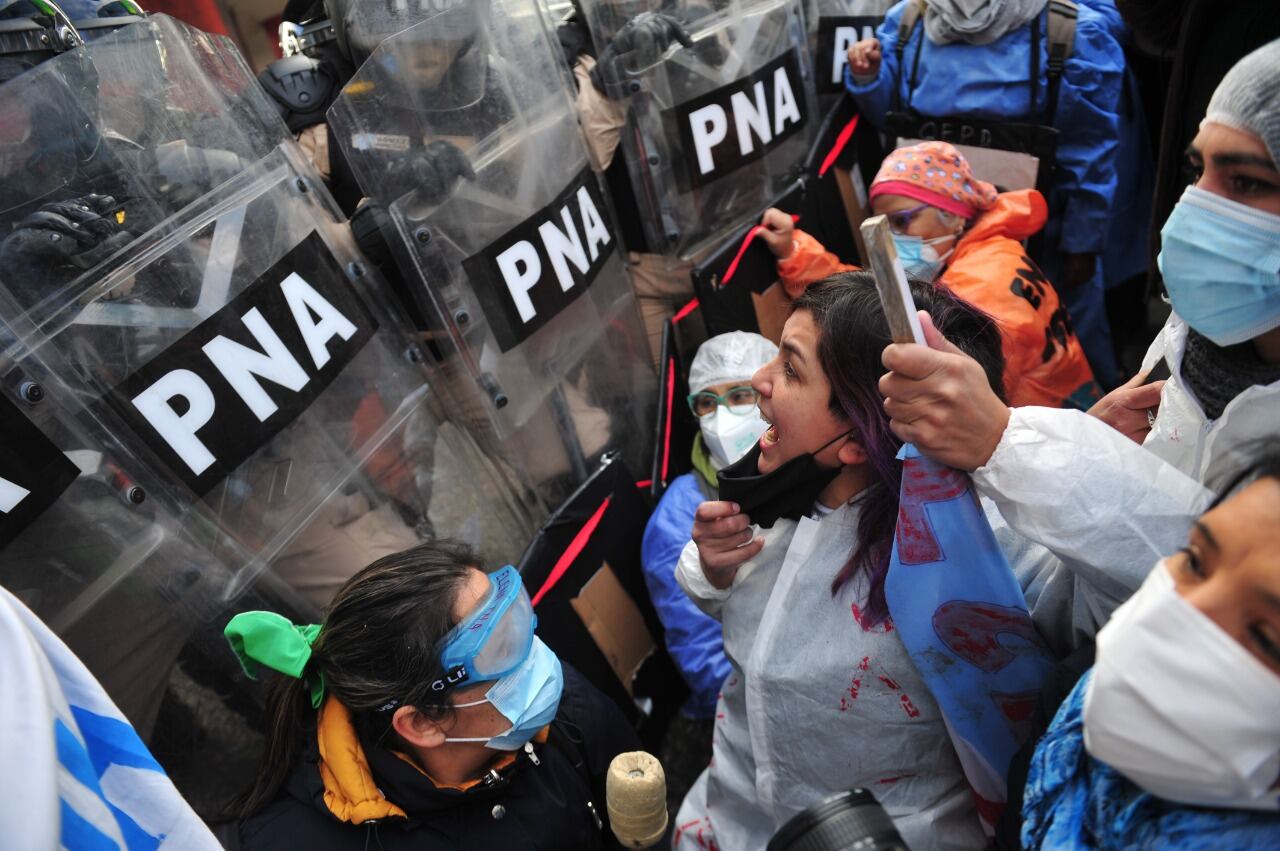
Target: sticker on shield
[(724, 130), (836, 34), (33, 472), (212, 399), (538, 268)]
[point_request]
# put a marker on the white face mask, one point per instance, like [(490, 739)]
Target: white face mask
[(729, 436), (1180, 707)]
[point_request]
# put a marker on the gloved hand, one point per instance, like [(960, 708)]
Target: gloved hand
[(435, 170), (58, 241), (639, 44)]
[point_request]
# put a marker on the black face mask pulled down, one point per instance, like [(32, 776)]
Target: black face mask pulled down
[(788, 492)]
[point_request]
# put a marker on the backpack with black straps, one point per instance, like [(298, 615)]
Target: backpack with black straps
[(1039, 140)]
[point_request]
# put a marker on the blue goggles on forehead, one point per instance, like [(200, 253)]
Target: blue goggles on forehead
[(493, 640)]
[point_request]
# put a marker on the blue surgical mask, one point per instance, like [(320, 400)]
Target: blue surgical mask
[(1221, 264), (528, 697), (919, 257)]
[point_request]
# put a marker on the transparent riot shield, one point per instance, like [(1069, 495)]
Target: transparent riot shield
[(200, 382), (717, 129), (463, 129), (847, 150), (834, 26)]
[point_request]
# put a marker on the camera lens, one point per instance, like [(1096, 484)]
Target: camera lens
[(849, 821)]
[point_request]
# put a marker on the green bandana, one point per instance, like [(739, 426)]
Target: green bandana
[(266, 638), (702, 461)]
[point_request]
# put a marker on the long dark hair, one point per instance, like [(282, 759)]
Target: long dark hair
[(377, 645), (852, 335)]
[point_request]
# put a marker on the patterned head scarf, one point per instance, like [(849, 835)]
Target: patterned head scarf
[(934, 173)]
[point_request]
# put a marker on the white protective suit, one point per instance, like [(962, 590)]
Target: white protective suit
[(816, 704), (1098, 500)]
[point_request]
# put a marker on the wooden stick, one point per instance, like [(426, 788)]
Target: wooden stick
[(891, 282)]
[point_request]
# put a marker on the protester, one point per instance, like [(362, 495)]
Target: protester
[(1085, 491), (990, 62), (729, 424), (424, 713), (801, 602), (1173, 739), (1197, 43), (952, 228)]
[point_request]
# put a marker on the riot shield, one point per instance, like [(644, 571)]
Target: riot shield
[(462, 128), (586, 582), (199, 378), (714, 130), (847, 150), (737, 285), (834, 26)]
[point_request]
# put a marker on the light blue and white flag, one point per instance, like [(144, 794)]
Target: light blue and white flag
[(77, 776), (963, 618)]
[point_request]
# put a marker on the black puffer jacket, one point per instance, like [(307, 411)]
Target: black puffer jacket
[(539, 801)]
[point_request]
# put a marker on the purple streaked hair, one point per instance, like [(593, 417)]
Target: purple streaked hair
[(852, 335)]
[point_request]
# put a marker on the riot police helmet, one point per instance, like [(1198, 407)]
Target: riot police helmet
[(361, 25), (94, 19), (32, 31)]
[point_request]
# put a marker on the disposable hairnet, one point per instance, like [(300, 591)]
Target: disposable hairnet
[(729, 357), (1248, 98)]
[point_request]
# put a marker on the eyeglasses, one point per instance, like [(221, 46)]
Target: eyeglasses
[(902, 219), (739, 400)]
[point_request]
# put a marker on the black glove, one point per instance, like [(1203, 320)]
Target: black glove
[(639, 44), (58, 241), (435, 170)]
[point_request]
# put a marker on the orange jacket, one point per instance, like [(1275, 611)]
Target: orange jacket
[(1044, 363)]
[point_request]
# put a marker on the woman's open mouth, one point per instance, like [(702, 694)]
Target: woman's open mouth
[(770, 438)]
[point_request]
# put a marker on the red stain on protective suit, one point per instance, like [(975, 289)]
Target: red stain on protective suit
[(864, 620), (924, 481), (696, 831), (889, 781)]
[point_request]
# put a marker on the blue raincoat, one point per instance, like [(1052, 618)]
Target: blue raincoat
[(1073, 801), (693, 638), (990, 82)]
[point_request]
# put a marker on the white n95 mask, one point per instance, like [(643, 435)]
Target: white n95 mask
[(1180, 707), (729, 436)]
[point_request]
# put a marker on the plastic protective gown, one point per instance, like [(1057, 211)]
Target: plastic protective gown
[(990, 81), (1073, 801), (818, 701), (692, 637), (1097, 499), (1044, 363)]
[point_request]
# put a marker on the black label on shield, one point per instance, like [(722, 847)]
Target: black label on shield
[(537, 269), (737, 124), (33, 472), (213, 398), (836, 35)]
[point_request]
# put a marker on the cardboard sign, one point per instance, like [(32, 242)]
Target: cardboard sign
[(538, 268), (614, 621), (33, 472), (836, 34), (212, 399), (739, 123)]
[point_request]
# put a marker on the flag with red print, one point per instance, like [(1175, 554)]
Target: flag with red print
[(964, 621)]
